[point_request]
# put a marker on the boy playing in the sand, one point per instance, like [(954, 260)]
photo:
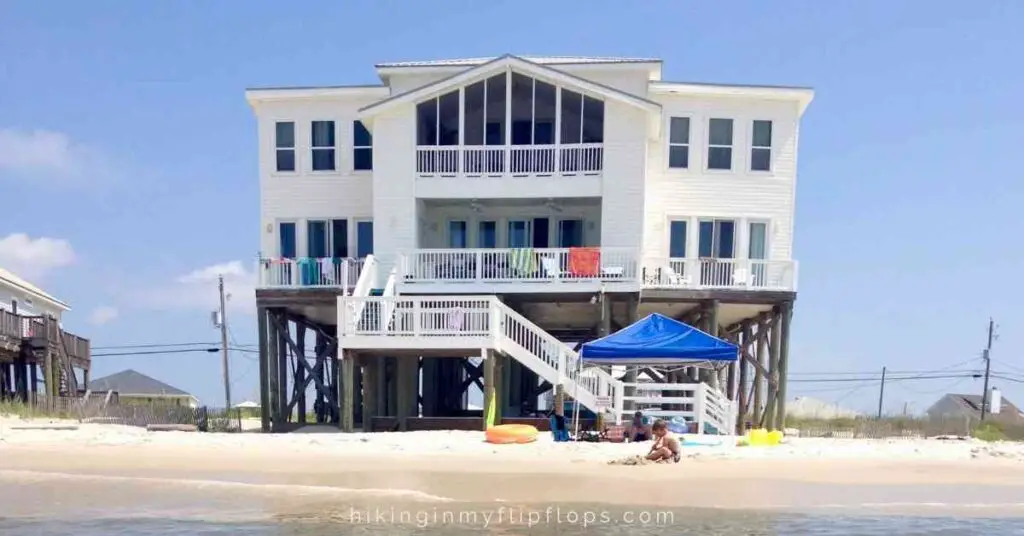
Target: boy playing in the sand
[(666, 446)]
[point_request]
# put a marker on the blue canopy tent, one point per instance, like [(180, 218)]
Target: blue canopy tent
[(658, 340)]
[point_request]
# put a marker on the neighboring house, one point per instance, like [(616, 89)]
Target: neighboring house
[(19, 296), (134, 387), (956, 406), (32, 338), (546, 181)]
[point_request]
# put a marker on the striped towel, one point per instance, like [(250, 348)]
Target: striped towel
[(522, 261)]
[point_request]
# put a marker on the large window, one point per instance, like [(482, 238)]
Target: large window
[(487, 235), (484, 121), (717, 239), (570, 233), (761, 146), (677, 239), (720, 144), (582, 118), (286, 235), (364, 238), (362, 147), (457, 235), (284, 141), (679, 143), (316, 239), (437, 120), (322, 138), (339, 238), (518, 233)]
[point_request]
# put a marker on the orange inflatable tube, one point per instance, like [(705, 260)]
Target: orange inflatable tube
[(511, 433)]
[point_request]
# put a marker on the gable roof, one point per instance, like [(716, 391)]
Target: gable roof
[(508, 61), (129, 382), (542, 60), (970, 405), (8, 278)]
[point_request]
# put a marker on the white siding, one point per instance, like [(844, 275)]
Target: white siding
[(28, 305), (739, 194), (622, 200), (306, 194), (434, 233), (393, 204)]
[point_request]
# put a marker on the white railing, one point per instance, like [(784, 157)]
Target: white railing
[(697, 403), (547, 265), (708, 273), (421, 322), (308, 272), (509, 160)]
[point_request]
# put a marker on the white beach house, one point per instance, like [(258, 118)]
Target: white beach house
[(579, 192)]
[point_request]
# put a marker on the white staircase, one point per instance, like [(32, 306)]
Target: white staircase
[(465, 325)]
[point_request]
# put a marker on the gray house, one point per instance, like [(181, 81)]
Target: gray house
[(955, 406), (136, 388)]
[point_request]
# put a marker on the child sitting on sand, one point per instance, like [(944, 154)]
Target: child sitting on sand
[(666, 446)]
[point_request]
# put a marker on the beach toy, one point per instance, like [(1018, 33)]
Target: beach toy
[(774, 437), (759, 437), (490, 412), (511, 433)]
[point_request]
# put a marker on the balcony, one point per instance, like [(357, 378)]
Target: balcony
[(519, 270), (729, 274), (16, 328), (575, 160), (309, 272)]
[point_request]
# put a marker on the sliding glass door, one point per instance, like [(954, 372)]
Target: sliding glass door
[(716, 247)]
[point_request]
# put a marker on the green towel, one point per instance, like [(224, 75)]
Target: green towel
[(522, 261)]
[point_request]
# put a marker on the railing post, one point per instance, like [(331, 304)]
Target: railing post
[(497, 320), (619, 387), (478, 258), (699, 403), (416, 316)]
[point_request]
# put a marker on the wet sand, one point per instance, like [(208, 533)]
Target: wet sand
[(295, 480)]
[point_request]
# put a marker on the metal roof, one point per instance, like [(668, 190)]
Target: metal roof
[(543, 60), (130, 382)]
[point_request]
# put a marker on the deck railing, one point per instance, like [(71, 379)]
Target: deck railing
[(511, 265), (696, 403), (309, 272), (710, 273), (16, 327), (509, 160)]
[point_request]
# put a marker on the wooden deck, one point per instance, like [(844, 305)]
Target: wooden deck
[(16, 328)]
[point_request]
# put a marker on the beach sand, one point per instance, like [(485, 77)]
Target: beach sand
[(297, 471)]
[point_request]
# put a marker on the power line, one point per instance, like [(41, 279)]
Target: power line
[(153, 345), (888, 378), (157, 352)]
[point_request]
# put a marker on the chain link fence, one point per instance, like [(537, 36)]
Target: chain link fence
[(98, 410)]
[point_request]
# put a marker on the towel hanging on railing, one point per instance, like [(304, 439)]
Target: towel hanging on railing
[(522, 261), (584, 262)]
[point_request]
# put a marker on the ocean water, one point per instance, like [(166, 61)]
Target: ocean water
[(46, 504)]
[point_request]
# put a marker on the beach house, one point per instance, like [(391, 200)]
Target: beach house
[(34, 348), (472, 221)]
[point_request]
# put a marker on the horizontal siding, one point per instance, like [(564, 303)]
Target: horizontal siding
[(738, 194), (394, 203), (306, 194), (623, 187)]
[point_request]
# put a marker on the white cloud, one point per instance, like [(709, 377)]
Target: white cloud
[(48, 155), (103, 314), (198, 289), (33, 258)]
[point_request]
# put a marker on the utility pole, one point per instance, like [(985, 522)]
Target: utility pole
[(988, 366), (224, 342), (881, 393)]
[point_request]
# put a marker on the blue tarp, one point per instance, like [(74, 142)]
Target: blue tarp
[(657, 339)]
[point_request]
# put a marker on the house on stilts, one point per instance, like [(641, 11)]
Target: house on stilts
[(474, 221)]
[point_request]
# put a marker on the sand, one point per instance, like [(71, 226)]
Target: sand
[(459, 466)]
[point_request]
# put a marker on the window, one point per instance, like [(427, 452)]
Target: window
[(677, 239), (679, 143), (316, 238), (339, 239), (364, 238), (487, 235), (484, 109), (284, 141), (570, 233), (720, 144), (437, 120), (322, 136), (457, 238), (758, 241), (362, 147), (518, 234), (286, 235), (717, 238), (761, 146), (582, 118)]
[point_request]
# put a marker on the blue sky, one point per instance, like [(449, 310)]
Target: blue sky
[(125, 138)]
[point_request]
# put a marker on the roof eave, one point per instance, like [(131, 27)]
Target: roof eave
[(801, 95), (366, 113), (255, 96), (42, 296)]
